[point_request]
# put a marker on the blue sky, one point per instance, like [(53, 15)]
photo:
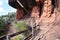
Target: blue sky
[(5, 8)]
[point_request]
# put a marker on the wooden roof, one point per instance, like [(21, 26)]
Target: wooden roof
[(25, 3), (13, 3)]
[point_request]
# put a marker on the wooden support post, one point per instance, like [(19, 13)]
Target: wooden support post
[(7, 37)]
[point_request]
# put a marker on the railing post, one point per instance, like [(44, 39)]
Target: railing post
[(32, 25), (7, 37)]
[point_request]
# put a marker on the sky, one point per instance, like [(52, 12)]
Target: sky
[(5, 8)]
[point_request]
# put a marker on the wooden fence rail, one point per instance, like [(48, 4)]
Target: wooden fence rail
[(7, 37)]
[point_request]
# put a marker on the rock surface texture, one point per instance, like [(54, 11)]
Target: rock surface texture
[(49, 23)]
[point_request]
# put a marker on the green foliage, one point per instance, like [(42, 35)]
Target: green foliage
[(21, 26), (2, 26), (11, 14), (4, 20), (19, 37)]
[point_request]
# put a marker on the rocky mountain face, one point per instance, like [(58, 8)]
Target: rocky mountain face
[(49, 22)]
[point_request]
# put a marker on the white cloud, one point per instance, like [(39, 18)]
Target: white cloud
[(13, 10), (4, 11), (1, 3), (1, 10)]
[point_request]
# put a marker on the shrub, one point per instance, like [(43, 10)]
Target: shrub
[(21, 26)]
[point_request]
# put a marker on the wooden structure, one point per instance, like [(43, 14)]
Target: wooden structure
[(28, 4)]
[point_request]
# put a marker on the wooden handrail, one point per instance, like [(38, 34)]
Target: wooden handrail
[(28, 37), (11, 35)]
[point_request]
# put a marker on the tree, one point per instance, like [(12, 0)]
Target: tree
[(2, 26), (4, 20)]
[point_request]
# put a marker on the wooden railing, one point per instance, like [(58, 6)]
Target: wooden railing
[(32, 36), (8, 37)]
